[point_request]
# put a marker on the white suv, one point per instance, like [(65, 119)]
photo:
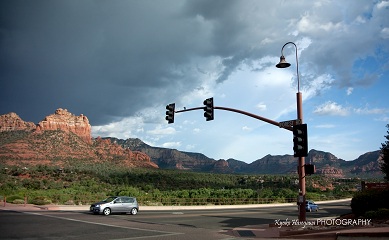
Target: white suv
[(116, 204)]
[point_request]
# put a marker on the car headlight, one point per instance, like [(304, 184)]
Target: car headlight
[(97, 205)]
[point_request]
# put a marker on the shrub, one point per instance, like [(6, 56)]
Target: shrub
[(12, 198), (18, 201), (313, 196), (41, 201), (369, 200), (69, 202), (380, 213)]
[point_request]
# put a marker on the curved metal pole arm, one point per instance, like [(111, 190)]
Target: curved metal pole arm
[(249, 114), (241, 112), (297, 63)]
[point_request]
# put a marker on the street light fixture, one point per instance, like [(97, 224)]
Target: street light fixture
[(301, 162), (283, 63)]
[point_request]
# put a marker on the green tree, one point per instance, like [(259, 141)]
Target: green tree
[(385, 156)]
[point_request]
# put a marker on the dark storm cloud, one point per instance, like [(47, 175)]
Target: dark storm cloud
[(105, 59)]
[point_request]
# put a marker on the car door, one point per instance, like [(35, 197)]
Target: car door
[(314, 206), (117, 205), (128, 203)]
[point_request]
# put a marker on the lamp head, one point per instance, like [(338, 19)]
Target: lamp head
[(282, 63)]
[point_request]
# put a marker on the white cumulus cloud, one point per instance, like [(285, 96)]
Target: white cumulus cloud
[(331, 108), (171, 144), (349, 90)]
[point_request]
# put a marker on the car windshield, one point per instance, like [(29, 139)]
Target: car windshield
[(110, 199)]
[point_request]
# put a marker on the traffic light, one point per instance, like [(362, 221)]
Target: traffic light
[(300, 140), (170, 112), (208, 109)]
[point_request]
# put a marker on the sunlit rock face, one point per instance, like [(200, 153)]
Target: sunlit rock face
[(66, 121)]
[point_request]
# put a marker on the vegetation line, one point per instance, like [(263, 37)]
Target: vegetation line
[(83, 183)]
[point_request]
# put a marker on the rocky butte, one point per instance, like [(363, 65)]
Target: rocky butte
[(60, 120), (66, 121), (12, 122)]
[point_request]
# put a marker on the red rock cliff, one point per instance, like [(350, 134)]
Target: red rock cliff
[(66, 121), (12, 122)]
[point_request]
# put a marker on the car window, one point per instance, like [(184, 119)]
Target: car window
[(110, 199), (118, 200), (127, 200)]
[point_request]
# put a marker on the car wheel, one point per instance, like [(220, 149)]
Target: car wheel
[(309, 209), (106, 211), (134, 211)]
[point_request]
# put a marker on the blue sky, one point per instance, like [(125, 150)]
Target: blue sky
[(121, 62)]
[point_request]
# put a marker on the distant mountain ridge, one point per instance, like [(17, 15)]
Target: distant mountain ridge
[(168, 158), (325, 162)]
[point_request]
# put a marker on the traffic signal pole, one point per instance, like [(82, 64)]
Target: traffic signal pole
[(301, 159), (301, 163)]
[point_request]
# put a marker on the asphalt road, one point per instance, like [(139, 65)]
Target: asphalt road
[(232, 218), (188, 224)]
